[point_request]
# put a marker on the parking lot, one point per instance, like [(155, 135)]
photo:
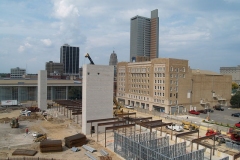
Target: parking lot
[(223, 116)]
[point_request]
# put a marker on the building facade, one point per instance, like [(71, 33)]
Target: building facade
[(167, 85), (69, 57), (27, 89), (144, 36), (17, 72), (54, 68), (233, 71)]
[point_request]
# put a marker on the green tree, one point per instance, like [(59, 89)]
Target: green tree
[(235, 85), (235, 99), (75, 93)]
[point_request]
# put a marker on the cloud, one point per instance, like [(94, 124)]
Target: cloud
[(64, 9), (46, 42), (22, 48)]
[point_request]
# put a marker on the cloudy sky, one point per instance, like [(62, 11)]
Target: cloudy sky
[(205, 32)]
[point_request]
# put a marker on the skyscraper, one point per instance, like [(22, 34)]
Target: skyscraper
[(113, 62), (144, 37), (69, 56), (113, 59)]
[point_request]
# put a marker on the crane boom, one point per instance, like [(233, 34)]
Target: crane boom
[(90, 59)]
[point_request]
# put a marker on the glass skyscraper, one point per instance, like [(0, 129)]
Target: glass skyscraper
[(69, 56)]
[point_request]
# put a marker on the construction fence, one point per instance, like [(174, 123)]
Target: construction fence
[(147, 146)]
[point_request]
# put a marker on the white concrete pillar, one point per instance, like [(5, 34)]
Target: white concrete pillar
[(42, 89), (97, 94)]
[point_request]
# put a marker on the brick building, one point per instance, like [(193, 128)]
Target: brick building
[(170, 85)]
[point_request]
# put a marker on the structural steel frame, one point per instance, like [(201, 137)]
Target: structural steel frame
[(186, 133), (108, 123), (198, 141), (117, 127), (100, 120)]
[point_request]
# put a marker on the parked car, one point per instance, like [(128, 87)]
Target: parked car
[(194, 112), (202, 111), (209, 110), (25, 113), (237, 124), (236, 114), (175, 127), (129, 107), (218, 107)]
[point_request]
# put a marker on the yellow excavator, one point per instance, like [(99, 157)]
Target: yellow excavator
[(189, 126), (118, 108)]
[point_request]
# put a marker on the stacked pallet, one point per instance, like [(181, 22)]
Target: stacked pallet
[(51, 146), (76, 140)]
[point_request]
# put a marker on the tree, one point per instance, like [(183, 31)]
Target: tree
[(235, 100), (235, 85), (75, 93)]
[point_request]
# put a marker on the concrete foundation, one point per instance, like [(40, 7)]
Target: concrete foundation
[(42, 89), (97, 94)]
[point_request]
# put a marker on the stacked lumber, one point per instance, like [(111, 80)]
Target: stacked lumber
[(51, 146), (76, 140), (24, 152)]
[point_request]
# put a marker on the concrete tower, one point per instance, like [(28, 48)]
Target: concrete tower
[(113, 59), (42, 89), (144, 35), (97, 94)]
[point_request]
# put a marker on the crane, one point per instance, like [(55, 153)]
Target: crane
[(90, 59)]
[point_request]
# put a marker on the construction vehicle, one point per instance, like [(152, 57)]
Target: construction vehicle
[(189, 126), (40, 137), (90, 59), (232, 136), (14, 123), (118, 108)]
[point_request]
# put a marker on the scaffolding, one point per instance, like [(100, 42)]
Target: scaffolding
[(147, 146)]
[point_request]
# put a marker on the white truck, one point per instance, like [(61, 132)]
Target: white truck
[(175, 127), (9, 103)]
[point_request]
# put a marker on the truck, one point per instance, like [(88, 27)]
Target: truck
[(232, 136), (175, 127), (9, 103)]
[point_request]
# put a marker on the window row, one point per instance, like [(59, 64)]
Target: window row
[(177, 69)]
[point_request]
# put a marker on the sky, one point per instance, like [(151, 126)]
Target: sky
[(204, 32)]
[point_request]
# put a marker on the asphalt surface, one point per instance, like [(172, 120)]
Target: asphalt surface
[(223, 116)]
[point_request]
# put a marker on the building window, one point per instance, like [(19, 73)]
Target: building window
[(170, 94)]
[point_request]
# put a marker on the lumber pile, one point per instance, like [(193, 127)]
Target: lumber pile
[(24, 152), (76, 140), (51, 146)]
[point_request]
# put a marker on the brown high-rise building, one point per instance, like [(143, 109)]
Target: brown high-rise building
[(144, 35)]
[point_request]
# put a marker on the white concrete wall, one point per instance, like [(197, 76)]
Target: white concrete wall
[(42, 89), (97, 94)]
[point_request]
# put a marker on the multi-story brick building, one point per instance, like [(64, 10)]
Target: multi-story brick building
[(169, 85), (233, 71)]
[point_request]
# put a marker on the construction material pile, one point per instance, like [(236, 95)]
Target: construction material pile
[(76, 140), (51, 146), (24, 152)]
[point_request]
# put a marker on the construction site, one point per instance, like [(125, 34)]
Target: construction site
[(98, 127)]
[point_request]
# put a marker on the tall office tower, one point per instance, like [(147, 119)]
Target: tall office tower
[(144, 37), (69, 56), (113, 59)]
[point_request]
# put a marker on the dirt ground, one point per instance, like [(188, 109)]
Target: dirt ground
[(56, 128)]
